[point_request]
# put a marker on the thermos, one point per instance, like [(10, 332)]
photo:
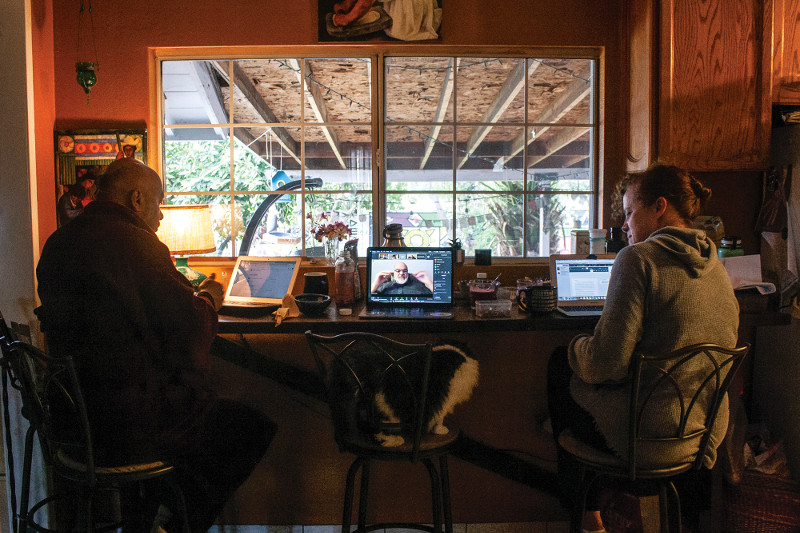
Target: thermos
[(393, 235)]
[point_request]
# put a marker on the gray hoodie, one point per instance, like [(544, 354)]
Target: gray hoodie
[(667, 292)]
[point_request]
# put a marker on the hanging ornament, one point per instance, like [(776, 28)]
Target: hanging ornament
[(86, 70), (86, 75)]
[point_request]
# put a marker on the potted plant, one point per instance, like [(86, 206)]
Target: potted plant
[(458, 251)]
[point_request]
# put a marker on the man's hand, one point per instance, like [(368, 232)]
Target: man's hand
[(424, 278), (382, 278), (213, 289)]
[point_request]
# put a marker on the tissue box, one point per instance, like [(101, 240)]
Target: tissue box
[(493, 308)]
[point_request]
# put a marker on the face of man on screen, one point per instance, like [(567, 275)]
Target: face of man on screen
[(400, 273)]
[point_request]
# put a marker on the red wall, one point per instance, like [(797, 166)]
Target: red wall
[(125, 31)]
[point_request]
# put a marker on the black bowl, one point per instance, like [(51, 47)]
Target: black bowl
[(312, 304)]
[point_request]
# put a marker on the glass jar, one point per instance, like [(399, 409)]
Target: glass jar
[(597, 241), (730, 247), (344, 279)]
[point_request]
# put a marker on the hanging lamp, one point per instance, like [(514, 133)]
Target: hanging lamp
[(86, 70)]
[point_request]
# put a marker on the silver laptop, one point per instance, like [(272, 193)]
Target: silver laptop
[(406, 283), (260, 283), (581, 282)]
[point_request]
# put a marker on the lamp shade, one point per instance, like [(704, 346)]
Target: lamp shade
[(186, 229)]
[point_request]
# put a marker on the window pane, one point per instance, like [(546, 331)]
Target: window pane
[(419, 158), (491, 161), (340, 155), (419, 89), (259, 157), (560, 179), (353, 209), (193, 93), (551, 218), (197, 165), (338, 90), (489, 90), (559, 91), (266, 91), (426, 218), (272, 224), (491, 221), (559, 147)]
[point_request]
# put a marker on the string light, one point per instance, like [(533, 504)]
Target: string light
[(420, 134)]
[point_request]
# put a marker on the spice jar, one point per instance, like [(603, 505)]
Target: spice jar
[(597, 241), (344, 279)]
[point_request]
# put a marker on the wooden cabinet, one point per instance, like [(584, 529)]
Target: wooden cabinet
[(786, 52), (642, 63), (712, 92)]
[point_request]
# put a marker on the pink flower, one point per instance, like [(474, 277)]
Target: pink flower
[(336, 230)]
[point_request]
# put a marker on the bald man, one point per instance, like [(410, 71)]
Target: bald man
[(141, 338), (401, 281)]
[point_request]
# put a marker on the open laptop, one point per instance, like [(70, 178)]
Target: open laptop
[(581, 282), (409, 283), (258, 284)]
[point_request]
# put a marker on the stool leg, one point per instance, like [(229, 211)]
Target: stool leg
[(347, 508), (363, 496), (677, 499), (22, 519), (445, 475), (436, 495)]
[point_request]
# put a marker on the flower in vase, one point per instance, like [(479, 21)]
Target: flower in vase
[(324, 229)]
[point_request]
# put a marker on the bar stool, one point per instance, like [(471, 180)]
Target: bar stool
[(53, 404), (354, 368), (655, 378)]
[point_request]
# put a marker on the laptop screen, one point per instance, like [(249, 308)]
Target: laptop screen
[(261, 280), (580, 279), (409, 276)]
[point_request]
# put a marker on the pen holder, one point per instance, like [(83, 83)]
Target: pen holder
[(536, 299)]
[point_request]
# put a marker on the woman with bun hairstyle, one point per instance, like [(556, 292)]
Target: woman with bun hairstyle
[(667, 290)]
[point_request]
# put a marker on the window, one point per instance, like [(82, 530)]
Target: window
[(497, 151)]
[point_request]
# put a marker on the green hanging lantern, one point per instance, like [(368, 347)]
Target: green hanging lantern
[(86, 75), (86, 70)]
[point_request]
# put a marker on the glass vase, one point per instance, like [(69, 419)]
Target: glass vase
[(331, 250)]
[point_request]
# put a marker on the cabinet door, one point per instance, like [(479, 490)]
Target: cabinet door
[(715, 81), (786, 52), (642, 95)]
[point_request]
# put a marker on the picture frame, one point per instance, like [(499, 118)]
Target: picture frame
[(82, 156), (379, 20)]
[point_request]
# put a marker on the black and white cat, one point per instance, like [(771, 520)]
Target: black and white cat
[(388, 411)]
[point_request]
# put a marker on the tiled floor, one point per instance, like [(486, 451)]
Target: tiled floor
[(532, 527)]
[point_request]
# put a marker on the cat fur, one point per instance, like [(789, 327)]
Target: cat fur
[(453, 376)]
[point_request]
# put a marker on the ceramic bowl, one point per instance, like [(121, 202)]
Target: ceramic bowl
[(312, 304)]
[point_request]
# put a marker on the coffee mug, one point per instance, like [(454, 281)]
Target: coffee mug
[(315, 283), (536, 299)]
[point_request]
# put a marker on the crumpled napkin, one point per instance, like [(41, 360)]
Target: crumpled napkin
[(287, 309)]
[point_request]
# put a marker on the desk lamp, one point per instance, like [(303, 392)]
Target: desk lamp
[(186, 229)]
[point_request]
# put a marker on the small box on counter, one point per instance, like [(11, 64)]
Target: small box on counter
[(493, 308)]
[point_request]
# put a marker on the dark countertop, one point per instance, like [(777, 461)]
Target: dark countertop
[(464, 321)]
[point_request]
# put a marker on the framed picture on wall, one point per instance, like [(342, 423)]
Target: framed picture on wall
[(388, 20), (82, 156)]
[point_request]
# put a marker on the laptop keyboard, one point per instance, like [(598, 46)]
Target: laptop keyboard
[(585, 308)]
